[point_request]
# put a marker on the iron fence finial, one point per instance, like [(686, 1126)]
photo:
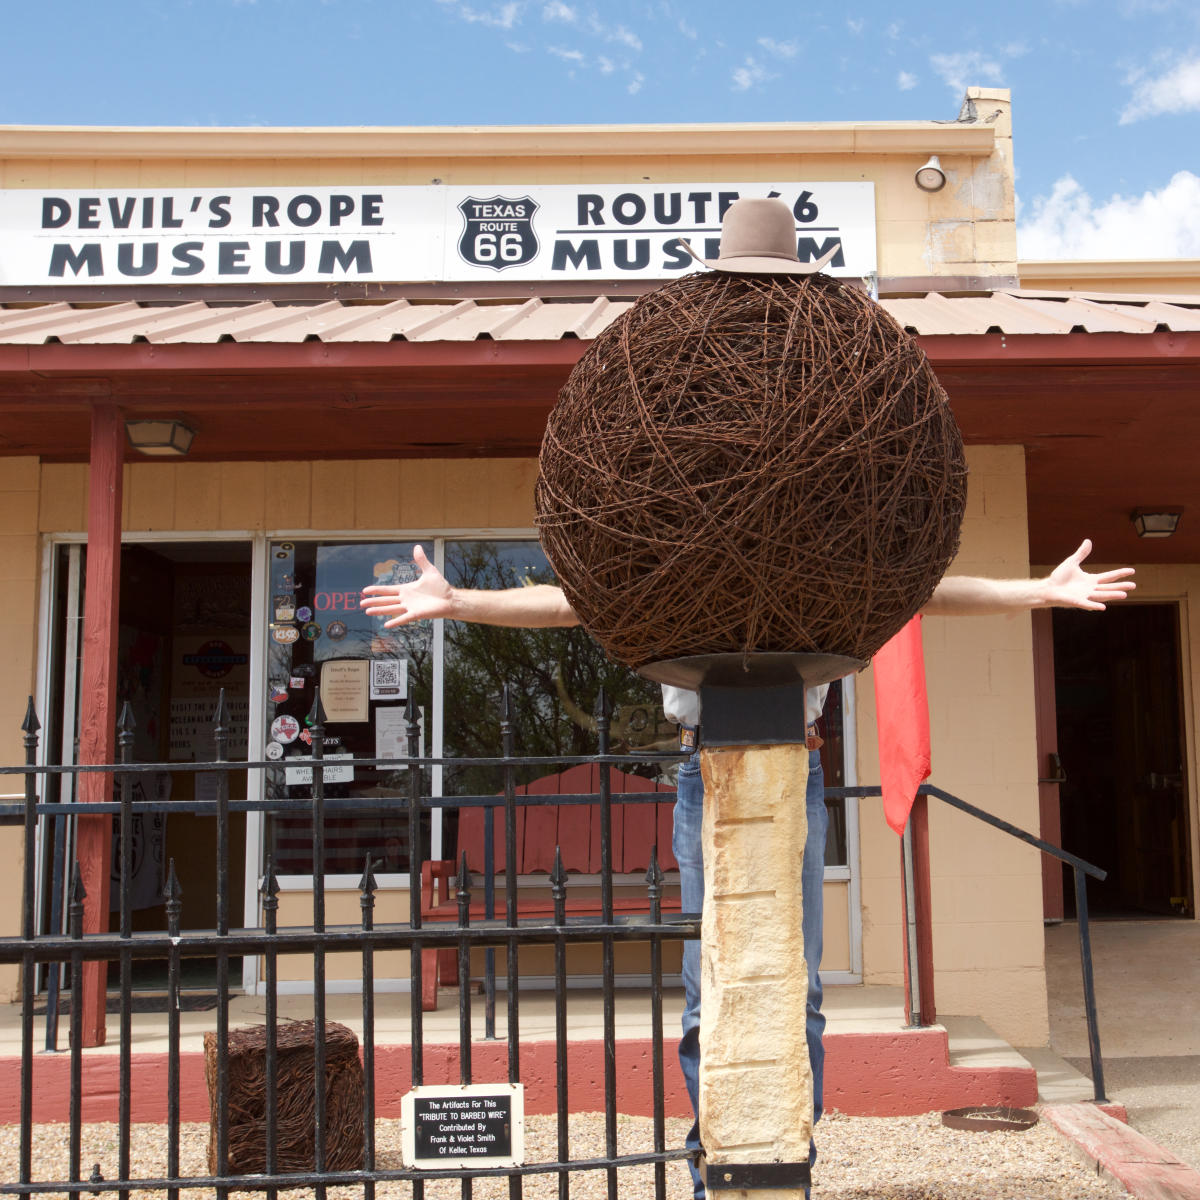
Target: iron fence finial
[(367, 884)]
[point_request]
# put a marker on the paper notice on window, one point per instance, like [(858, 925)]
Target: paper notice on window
[(391, 735), (344, 687), (335, 770)]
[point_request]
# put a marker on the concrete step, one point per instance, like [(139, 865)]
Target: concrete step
[(902, 1072), (1060, 1083)]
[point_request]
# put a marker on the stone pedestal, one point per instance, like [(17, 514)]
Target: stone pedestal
[(755, 1076)]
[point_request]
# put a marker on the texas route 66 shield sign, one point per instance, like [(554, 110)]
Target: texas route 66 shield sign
[(498, 231)]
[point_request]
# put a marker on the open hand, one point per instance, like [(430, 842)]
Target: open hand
[(1070, 586), (424, 598)]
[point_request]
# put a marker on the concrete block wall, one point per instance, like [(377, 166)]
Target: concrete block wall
[(987, 913)]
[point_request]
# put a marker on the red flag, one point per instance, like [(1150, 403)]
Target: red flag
[(902, 716)]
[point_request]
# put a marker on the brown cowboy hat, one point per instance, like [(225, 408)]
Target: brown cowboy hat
[(758, 237)]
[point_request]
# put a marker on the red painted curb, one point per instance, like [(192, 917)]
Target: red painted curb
[(908, 1072), (866, 1074), (1144, 1168)]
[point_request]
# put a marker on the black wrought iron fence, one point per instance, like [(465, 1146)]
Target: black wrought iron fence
[(480, 921), (494, 924)]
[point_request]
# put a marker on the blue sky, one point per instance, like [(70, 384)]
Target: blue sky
[(1106, 92)]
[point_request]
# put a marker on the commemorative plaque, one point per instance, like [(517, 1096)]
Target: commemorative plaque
[(481, 1124)]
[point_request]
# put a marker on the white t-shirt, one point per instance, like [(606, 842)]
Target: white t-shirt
[(683, 706)]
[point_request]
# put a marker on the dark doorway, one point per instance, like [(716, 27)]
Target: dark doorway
[(184, 636), (1120, 737)]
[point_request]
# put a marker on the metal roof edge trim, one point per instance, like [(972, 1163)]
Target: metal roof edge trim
[(1109, 268), (1182, 299), (544, 141)]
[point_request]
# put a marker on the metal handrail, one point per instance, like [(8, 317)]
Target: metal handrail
[(1079, 866)]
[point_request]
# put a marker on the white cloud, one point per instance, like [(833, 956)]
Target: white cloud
[(621, 34), (751, 74), (503, 17), (584, 27), (856, 25), (1176, 91), (778, 49), (966, 69), (626, 37), (1069, 224), (906, 81), (688, 31), (1136, 8)]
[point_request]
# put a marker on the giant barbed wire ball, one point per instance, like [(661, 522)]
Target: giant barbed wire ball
[(747, 463)]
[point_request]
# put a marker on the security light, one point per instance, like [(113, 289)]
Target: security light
[(160, 437), (930, 177), (1155, 523)]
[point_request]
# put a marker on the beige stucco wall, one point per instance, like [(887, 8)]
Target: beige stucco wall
[(967, 228), (987, 914), (376, 494), (19, 571)]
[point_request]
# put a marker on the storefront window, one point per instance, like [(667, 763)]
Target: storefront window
[(318, 636), (554, 677)]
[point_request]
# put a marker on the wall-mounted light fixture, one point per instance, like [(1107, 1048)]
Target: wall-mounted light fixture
[(1155, 522), (930, 177), (160, 437)]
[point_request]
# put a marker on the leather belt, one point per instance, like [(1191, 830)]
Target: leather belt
[(689, 737)]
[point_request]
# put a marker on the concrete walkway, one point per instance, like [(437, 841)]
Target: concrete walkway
[(1148, 1000)]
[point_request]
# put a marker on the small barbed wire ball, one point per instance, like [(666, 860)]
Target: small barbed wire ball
[(750, 462)]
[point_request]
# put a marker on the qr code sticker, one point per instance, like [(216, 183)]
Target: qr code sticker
[(389, 678)]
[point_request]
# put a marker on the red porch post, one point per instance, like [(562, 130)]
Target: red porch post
[(98, 691)]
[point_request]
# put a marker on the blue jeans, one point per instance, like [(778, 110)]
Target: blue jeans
[(686, 842)]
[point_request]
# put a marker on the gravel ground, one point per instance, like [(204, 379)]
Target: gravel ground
[(862, 1158)]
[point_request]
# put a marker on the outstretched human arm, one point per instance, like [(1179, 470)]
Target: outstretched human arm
[(1067, 586), (430, 596), (541, 606)]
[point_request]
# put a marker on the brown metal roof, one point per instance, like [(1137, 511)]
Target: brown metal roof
[(200, 322)]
